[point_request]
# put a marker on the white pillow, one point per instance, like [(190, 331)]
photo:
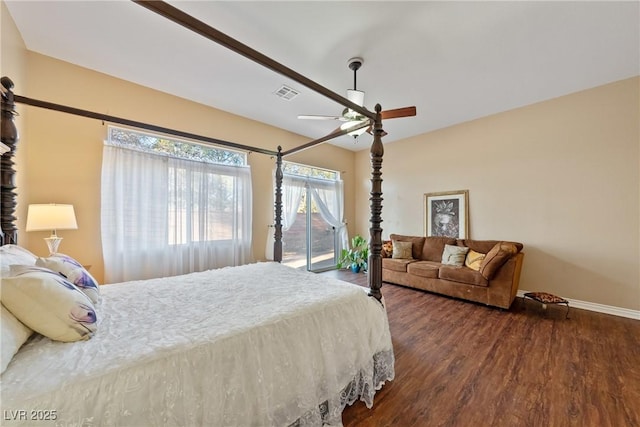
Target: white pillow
[(14, 334), (74, 272), (454, 255), (47, 303), (14, 254)]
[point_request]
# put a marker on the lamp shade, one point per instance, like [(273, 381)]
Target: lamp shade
[(51, 217)]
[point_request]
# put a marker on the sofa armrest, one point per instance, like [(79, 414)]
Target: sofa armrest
[(503, 287)]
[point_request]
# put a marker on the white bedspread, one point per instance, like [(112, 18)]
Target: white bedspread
[(256, 345)]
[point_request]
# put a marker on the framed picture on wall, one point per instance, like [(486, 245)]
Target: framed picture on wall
[(447, 214)]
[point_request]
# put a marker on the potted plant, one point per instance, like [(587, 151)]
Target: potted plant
[(357, 257)]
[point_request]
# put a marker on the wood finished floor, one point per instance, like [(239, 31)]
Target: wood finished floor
[(464, 364)]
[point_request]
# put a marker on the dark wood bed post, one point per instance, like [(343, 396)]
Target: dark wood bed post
[(9, 137), (277, 243), (375, 249)]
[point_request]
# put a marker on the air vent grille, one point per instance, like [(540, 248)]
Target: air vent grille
[(286, 93)]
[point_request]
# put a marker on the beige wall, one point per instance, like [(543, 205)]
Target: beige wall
[(13, 65), (561, 176), (62, 154)]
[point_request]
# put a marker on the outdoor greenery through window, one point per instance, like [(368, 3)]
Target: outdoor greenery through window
[(175, 148), (309, 171)]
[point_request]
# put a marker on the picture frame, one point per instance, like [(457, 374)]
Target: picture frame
[(446, 214)]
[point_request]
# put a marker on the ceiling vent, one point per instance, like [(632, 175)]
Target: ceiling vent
[(286, 93)]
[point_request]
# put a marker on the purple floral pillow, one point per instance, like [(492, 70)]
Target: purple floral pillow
[(48, 303), (74, 272)]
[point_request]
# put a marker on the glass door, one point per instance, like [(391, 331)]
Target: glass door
[(322, 238), (294, 240), (310, 242)]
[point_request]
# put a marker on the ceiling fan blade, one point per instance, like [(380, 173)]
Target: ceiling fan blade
[(318, 117), (399, 112)]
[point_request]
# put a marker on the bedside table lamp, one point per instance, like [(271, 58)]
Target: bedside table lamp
[(51, 217)]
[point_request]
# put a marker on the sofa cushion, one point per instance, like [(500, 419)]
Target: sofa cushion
[(462, 275), (496, 257), (396, 264), (454, 255), (402, 250), (416, 247), (433, 248), (484, 246), (474, 260), (428, 269)]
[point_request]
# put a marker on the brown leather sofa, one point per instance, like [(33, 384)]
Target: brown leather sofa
[(495, 283)]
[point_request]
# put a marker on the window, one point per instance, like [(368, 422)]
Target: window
[(172, 207)]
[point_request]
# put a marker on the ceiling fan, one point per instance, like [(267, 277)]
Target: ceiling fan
[(353, 118)]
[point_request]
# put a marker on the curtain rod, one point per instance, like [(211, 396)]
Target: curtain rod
[(133, 123), (176, 15)]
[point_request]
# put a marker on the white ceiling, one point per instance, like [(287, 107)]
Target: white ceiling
[(455, 61)]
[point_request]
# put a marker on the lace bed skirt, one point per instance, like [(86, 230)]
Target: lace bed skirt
[(363, 387)]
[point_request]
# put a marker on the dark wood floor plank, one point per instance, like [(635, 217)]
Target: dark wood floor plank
[(464, 364)]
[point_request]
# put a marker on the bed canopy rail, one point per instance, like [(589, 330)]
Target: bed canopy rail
[(189, 22), (168, 131), (112, 119), (10, 137), (375, 253)]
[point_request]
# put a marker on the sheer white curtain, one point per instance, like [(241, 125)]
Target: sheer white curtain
[(163, 216), (329, 198), (292, 189)]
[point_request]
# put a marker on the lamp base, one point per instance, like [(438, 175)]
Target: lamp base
[(53, 243)]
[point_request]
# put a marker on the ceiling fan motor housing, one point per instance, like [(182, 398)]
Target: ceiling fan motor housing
[(355, 63)]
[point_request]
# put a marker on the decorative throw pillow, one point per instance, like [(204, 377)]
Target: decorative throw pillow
[(47, 303), (454, 255), (497, 256), (74, 272), (14, 334), (474, 260), (402, 250), (387, 249), (14, 254)]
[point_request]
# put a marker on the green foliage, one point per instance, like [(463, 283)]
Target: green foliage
[(358, 255), (310, 171), (175, 148)]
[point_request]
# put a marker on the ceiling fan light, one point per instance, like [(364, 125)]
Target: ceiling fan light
[(356, 132), (355, 96)]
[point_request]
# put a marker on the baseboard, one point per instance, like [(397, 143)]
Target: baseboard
[(600, 308)]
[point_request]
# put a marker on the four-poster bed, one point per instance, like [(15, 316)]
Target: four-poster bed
[(344, 335)]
